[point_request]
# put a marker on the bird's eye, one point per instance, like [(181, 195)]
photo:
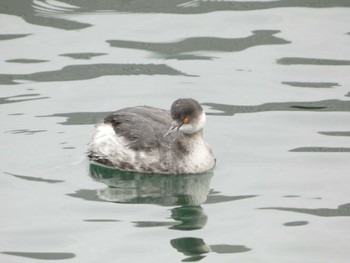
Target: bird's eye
[(185, 120)]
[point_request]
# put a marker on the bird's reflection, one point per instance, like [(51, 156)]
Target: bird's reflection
[(186, 192), (196, 249), (193, 248), (168, 190)]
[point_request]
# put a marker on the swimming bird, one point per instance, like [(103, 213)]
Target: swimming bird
[(146, 139)]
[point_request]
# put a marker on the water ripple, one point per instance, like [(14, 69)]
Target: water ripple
[(20, 98), (12, 36), (342, 210), (82, 55), (322, 149), (311, 84), (43, 13), (26, 60), (322, 106), (83, 72), (184, 47), (35, 179), (41, 255), (312, 61)]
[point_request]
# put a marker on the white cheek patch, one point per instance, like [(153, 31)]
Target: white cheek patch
[(201, 121), (195, 126), (187, 128)]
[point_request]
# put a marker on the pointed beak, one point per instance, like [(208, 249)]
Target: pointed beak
[(175, 126)]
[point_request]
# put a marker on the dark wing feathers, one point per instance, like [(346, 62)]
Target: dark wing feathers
[(143, 126)]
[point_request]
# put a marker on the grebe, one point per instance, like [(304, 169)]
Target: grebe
[(150, 140)]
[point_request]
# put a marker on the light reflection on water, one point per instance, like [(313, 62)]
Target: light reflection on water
[(187, 192), (195, 248), (128, 187)]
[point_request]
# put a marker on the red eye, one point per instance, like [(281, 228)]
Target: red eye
[(185, 120)]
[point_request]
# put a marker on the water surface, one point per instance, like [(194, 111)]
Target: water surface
[(273, 77)]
